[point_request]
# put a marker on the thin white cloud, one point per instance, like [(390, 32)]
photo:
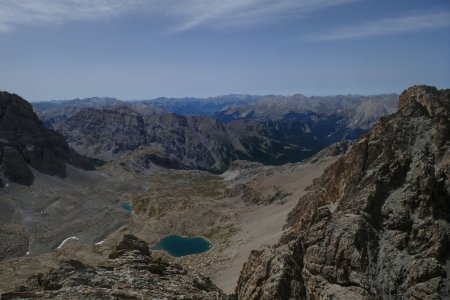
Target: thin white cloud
[(183, 14), (243, 13), (387, 26), (32, 12)]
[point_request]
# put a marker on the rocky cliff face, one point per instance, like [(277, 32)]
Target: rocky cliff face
[(105, 133), (196, 142), (377, 223), (130, 273), (25, 142), (269, 129)]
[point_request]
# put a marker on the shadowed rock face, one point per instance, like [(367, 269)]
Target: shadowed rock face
[(130, 273), (25, 142), (377, 223)]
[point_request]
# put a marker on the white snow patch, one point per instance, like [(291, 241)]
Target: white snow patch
[(69, 238), (99, 243), (28, 253), (230, 175)]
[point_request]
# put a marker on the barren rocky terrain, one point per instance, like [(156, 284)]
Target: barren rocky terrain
[(368, 219), (129, 273), (376, 225), (193, 203)]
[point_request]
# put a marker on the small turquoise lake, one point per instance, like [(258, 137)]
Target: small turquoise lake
[(177, 245), (127, 206)]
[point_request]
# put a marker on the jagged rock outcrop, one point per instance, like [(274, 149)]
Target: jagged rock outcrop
[(333, 150), (25, 142), (130, 273), (376, 225)]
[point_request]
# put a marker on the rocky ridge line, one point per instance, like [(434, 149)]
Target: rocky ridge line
[(376, 225)]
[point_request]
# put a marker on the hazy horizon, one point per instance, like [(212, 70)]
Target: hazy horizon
[(211, 97), (137, 49)]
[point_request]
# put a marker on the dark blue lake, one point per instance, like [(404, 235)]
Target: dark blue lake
[(177, 245)]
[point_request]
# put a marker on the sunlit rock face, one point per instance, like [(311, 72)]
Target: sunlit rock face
[(377, 223)]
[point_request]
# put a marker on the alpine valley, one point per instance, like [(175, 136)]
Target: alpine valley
[(331, 197)]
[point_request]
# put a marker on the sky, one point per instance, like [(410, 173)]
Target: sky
[(143, 49)]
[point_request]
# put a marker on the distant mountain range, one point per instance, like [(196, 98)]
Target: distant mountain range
[(363, 109), (356, 111), (209, 133), (55, 111), (200, 106)]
